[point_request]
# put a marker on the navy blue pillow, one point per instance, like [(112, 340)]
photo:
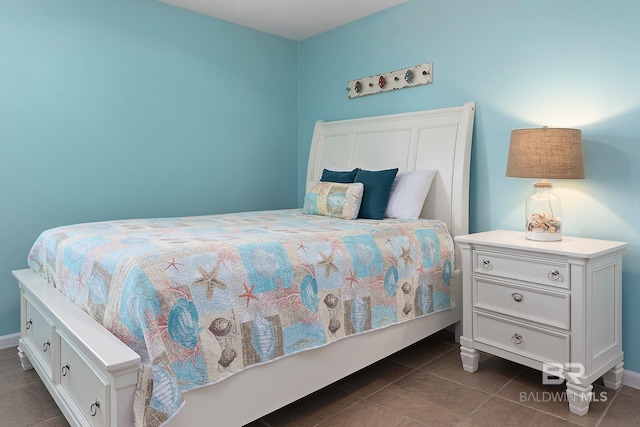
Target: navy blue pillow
[(341, 177), (377, 186)]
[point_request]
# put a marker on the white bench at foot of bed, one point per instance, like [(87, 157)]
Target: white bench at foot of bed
[(90, 373)]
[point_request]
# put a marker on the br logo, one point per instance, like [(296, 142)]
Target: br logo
[(557, 373)]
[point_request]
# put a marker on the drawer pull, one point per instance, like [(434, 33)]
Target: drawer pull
[(46, 346), (554, 275), (29, 323), (517, 297), (65, 370), (485, 264), (516, 339), (94, 408)]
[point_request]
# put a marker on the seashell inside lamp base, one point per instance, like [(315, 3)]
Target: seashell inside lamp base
[(544, 227)]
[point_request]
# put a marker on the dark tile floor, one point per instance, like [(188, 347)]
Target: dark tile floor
[(423, 385)]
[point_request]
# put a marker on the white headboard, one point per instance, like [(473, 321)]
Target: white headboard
[(433, 139)]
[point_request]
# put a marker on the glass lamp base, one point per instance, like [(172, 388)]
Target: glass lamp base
[(543, 237), (543, 214)]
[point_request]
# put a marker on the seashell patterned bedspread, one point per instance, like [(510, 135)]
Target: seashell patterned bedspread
[(200, 298)]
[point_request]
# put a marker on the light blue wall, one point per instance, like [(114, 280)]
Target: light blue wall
[(569, 63), (132, 108)]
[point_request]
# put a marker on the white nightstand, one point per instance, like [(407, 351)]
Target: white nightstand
[(537, 303)]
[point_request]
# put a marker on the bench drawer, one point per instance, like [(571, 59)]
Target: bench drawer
[(84, 385)]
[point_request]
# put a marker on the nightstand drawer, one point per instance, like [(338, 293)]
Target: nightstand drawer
[(536, 270), (526, 340), (542, 306)]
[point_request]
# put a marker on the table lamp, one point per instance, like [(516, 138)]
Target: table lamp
[(545, 153)]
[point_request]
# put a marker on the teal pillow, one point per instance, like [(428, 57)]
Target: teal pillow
[(343, 177), (377, 186)]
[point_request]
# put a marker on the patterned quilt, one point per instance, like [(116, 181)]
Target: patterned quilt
[(200, 298)]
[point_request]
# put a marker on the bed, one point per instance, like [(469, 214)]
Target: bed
[(260, 361)]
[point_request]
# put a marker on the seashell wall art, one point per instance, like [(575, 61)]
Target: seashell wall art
[(407, 77)]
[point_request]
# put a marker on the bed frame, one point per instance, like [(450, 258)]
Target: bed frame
[(54, 330)]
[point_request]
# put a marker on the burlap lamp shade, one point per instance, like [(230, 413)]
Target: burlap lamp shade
[(548, 153)]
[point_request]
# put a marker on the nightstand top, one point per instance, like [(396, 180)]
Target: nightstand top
[(568, 246)]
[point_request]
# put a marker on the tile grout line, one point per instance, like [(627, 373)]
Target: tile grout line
[(539, 410), (491, 395), (48, 419), (606, 410), (604, 413), (360, 400), (413, 370), (366, 398), (495, 394), (560, 417), (521, 403)]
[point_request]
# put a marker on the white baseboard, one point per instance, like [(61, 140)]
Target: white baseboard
[(631, 379), (8, 341)]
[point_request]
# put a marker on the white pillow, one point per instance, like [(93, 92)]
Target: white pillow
[(337, 168), (408, 193)]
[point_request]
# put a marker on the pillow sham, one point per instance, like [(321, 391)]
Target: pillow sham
[(344, 177), (339, 200), (336, 167), (377, 185), (408, 192)]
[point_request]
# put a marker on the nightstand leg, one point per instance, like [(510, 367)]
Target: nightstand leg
[(579, 398), (24, 360), (613, 378), (470, 358)]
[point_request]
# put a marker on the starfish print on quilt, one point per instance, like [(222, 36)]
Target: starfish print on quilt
[(406, 256), (173, 264), (210, 280), (351, 278), (327, 263), (248, 293)]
